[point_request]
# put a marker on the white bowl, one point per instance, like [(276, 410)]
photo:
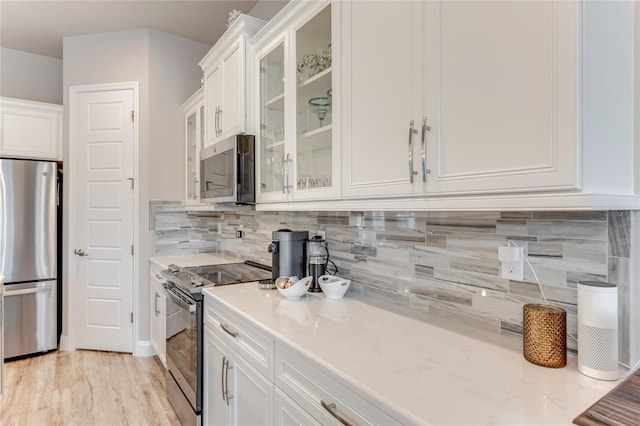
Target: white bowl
[(296, 290), (333, 287)]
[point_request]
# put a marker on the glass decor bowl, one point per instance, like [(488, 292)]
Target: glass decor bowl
[(320, 106)]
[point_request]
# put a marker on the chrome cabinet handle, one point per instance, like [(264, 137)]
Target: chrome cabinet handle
[(284, 171), (224, 392), (226, 381), (289, 170), (156, 304), (228, 330), (412, 130), (425, 129), (216, 122), (80, 252), (332, 409)]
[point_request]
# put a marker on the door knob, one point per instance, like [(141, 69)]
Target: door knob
[(80, 252)]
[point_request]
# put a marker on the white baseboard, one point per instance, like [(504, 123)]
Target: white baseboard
[(143, 348), (65, 343)]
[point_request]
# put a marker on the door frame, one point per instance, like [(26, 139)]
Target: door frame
[(70, 343)]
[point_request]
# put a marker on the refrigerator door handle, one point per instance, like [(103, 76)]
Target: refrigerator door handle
[(35, 288)]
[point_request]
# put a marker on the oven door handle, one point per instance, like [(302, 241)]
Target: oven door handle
[(191, 307)]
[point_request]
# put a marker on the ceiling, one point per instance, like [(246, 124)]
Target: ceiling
[(39, 26)]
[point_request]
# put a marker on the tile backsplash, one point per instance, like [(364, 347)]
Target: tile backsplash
[(440, 263)]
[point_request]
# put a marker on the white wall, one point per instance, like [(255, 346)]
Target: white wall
[(166, 68), (33, 77), (174, 75), (267, 9)]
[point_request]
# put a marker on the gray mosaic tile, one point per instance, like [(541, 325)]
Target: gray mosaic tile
[(544, 249), (620, 274), (511, 227), (570, 215), (620, 233), (440, 264), (589, 230)]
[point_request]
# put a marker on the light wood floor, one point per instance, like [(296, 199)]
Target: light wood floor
[(85, 388)]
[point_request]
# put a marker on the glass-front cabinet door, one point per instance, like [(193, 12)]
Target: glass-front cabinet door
[(272, 119), (299, 156), (314, 101), (194, 135)]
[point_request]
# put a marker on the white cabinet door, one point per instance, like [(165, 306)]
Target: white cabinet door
[(501, 95), (235, 393), (297, 77), (213, 105), (158, 316), (381, 85), (215, 405), (251, 394), (497, 84), (30, 129), (288, 413), (226, 85), (194, 138), (232, 109)]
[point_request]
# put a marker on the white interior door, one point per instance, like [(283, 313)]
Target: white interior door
[(104, 220)]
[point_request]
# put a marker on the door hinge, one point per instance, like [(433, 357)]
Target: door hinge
[(131, 249), (131, 317), (133, 114)]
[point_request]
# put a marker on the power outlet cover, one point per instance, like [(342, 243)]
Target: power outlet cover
[(514, 270)]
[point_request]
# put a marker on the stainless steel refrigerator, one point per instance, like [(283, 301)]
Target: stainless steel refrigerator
[(28, 261)]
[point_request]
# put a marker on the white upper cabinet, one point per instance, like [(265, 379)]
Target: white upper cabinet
[(501, 96), (194, 138), (30, 129), (298, 122), (228, 86), (488, 98), (381, 70)]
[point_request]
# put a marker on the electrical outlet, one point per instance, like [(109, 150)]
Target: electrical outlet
[(512, 267)]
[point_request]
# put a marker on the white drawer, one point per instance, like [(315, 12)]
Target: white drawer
[(318, 394), (249, 341)]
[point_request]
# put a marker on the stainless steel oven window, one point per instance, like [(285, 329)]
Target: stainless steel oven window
[(184, 349)]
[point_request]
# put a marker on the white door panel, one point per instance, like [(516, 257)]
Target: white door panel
[(103, 280)]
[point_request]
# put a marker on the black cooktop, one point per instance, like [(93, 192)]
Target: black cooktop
[(192, 279)]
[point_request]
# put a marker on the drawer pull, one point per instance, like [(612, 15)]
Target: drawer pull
[(228, 330), (331, 408)]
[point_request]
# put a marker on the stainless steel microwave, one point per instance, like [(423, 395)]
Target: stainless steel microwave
[(227, 171)]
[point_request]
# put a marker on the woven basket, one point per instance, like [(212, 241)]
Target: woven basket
[(544, 333)]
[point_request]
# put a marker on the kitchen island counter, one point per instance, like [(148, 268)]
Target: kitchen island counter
[(419, 371)]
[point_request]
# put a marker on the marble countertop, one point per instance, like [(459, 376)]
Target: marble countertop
[(418, 372), (186, 260)]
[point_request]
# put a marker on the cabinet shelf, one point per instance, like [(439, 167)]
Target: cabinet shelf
[(273, 145), (315, 132), (276, 102), (316, 78)]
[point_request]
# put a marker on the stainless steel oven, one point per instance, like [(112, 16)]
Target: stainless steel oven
[(185, 329), (184, 359)]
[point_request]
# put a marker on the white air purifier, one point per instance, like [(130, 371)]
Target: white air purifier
[(598, 330)]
